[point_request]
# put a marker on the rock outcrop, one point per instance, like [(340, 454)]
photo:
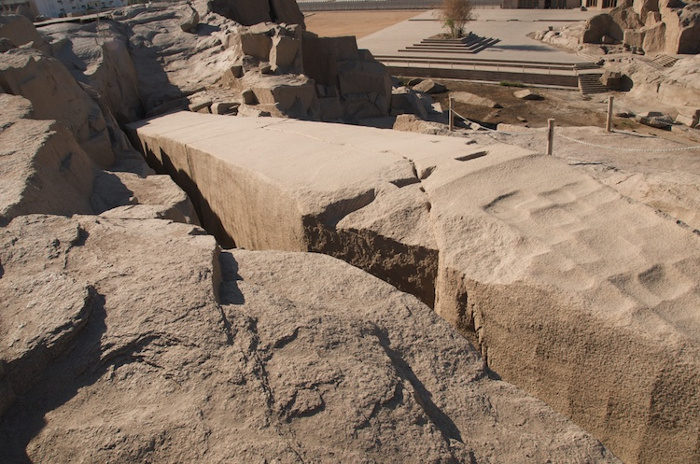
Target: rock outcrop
[(128, 335), (147, 359), (472, 231), (654, 26)]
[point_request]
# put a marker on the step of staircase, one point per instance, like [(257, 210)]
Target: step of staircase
[(590, 84), (665, 60), (466, 45)]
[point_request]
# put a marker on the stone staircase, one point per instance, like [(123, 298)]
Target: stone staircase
[(661, 61), (590, 84), (466, 45)]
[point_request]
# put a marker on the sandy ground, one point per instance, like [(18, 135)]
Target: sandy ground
[(357, 23), (566, 107)]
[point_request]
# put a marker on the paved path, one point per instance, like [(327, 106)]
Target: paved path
[(510, 26)]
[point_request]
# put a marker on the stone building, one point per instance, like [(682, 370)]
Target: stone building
[(57, 8)]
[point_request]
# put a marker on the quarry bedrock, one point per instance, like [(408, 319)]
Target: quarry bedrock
[(564, 283)]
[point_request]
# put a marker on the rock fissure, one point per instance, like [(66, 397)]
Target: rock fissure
[(442, 421)]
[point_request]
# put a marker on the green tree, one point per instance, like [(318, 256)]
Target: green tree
[(455, 14)]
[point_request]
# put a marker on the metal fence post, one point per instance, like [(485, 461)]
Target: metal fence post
[(608, 123), (451, 116), (550, 136)]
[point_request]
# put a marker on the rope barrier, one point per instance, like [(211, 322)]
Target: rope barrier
[(638, 150), (582, 142)]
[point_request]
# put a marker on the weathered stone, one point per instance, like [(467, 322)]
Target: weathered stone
[(644, 7), (285, 54), (198, 105), (224, 107), (113, 191), (43, 169), (417, 198), (249, 97), (292, 98), (202, 335), (429, 86), (190, 20), (54, 94), (365, 77), (613, 80), (411, 123), (256, 44), (246, 12), (654, 38), (653, 17), (6, 44), (20, 31), (527, 94), (286, 11), (655, 119), (471, 99), (634, 38), (688, 116), (404, 100), (252, 112)]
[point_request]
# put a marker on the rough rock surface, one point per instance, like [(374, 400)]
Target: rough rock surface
[(429, 86), (150, 360), (650, 25), (54, 94), (472, 99), (477, 230), (42, 167)]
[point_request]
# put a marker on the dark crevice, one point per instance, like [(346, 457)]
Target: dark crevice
[(472, 156), (423, 396), (404, 182), (411, 269), (335, 212), (229, 293)]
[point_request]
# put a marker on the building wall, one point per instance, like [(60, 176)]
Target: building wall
[(57, 8), (600, 4), (541, 4)]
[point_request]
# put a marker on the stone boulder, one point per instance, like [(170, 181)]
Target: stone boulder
[(140, 340), (412, 123), (405, 100), (286, 11), (102, 60), (20, 31), (597, 27), (190, 20), (654, 37), (54, 94), (655, 119), (611, 25), (613, 80), (688, 116), (285, 54), (245, 12), (117, 193), (471, 99), (255, 42), (292, 97), (527, 94), (473, 229), (429, 86), (42, 167), (644, 7), (682, 27)]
